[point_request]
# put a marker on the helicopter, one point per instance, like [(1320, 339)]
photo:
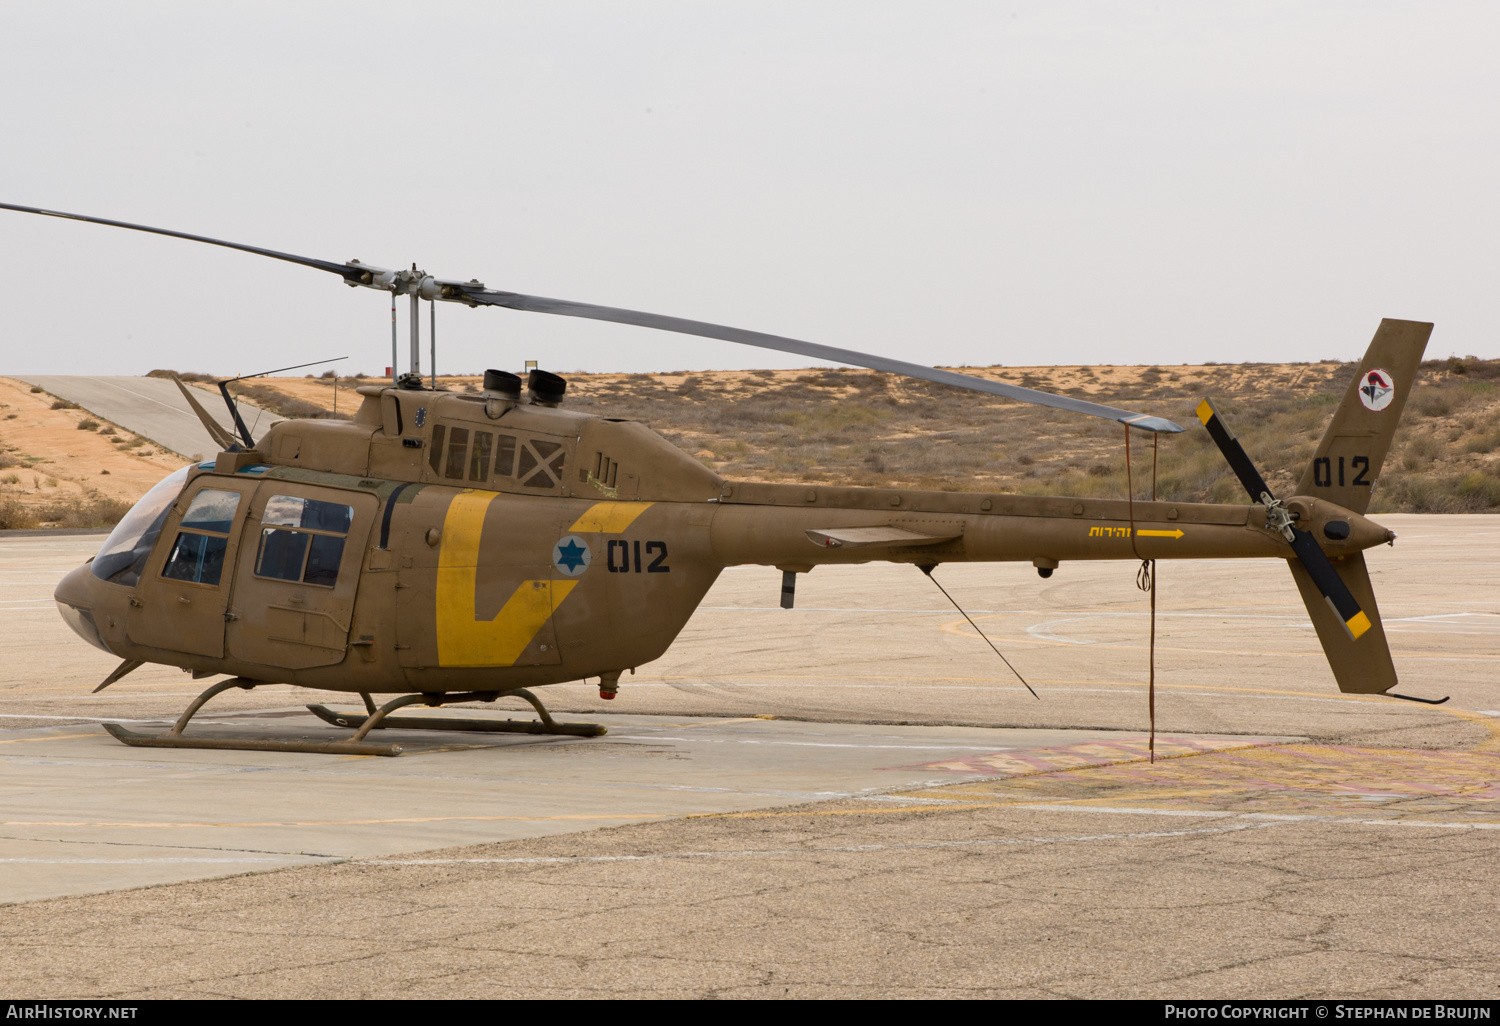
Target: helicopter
[(453, 547)]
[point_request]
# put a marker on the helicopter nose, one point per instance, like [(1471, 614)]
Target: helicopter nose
[(75, 601)]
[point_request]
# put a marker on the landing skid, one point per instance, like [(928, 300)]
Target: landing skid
[(547, 725), (356, 745), (136, 740)]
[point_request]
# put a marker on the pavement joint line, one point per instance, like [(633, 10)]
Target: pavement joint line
[(569, 818), (909, 680), (821, 850), (45, 737), (816, 744), (83, 719), (1279, 817), (185, 847), (959, 806), (166, 861)]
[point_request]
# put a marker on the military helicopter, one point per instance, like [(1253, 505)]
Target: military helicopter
[(447, 547)]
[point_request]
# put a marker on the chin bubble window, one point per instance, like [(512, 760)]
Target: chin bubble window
[(302, 540), (198, 553)]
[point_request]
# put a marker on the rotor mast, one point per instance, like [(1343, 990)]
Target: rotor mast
[(417, 285)]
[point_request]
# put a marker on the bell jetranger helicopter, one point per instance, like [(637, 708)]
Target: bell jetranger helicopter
[(446, 547)]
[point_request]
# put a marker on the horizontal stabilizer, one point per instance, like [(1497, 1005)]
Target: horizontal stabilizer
[(875, 537)]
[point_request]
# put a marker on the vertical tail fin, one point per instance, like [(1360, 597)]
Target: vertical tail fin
[(1348, 460)]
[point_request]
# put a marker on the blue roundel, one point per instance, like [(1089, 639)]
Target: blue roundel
[(571, 556)]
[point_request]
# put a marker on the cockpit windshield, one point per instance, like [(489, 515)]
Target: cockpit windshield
[(124, 553)]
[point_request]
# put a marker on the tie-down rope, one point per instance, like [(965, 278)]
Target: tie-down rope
[(1145, 577)]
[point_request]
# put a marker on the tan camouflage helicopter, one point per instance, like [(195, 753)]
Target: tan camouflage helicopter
[(444, 547)]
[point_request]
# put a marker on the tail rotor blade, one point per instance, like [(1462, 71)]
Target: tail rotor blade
[(1335, 592), (1332, 587), (1234, 453)]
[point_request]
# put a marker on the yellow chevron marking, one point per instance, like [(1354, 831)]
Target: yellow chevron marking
[(1358, 623), (462, 639), (1160, 534), (610, 517), (1205, 412)]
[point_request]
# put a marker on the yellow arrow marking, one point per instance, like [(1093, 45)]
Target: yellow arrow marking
[(1160, 534)]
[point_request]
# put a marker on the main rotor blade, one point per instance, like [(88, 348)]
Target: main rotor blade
[(475, 294), (1335, 592), (342, 270), (568, 308), (1234, 452)]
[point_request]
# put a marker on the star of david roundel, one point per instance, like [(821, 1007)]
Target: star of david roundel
[(571, 556)]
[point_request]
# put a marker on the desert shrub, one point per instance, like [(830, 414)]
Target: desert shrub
[(1480, 487), (88, 424), (14, 515), (63, 404), (281, 404), (184, 375), (1481, 443), (82, 511)]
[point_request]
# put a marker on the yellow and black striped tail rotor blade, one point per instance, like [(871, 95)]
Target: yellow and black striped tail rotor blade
[(1335, 592), (1234, 453), (1306, 548)]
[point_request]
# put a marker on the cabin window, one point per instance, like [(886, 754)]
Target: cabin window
[(435, 450), (505, 456), (198, 553), (479, 458), (541, 464), (122, 557), (458, 447), (310, 553)]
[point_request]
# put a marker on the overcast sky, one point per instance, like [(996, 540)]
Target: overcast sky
[(955, 183)]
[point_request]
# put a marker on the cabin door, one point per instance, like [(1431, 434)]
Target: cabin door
[(180, 602), (297, 574)]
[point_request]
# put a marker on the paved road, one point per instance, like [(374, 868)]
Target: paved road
[(1360, 864), (152, 408)]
